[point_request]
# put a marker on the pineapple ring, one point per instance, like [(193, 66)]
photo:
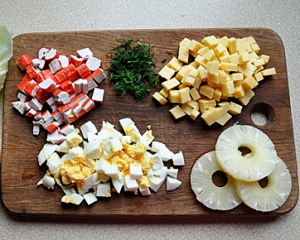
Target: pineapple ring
[(212, 196), (270, 197), (253, 166)]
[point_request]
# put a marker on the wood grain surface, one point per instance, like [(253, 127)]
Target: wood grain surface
[(19, 167)]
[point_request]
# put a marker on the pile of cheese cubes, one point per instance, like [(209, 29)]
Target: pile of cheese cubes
[(55, 88), (207, 77), (85, 165)]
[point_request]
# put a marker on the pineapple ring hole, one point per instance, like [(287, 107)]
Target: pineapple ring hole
[(262, 114), (244, 150), (263, 182), (219, 178)]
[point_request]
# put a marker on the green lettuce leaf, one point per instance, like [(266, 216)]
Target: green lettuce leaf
[(6, 52)]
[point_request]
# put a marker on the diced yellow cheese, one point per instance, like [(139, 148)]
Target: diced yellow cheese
[(187, 108), (239, 91), (237, 76), (249, 83), (224, 41), (201, 60), (235, 58), (232, 45), (224, 57), (228, 88), (202, 51), (189, 80), (268, 72), (217, 94), (210, 41), (235, 108), (181, 73), (177, 112), (258, 76), (207, 91), (194, 114), (213, 114), (213, 77), (175, 64), (222, 76), (241, 45), (266, 58), (194, 46), (210, 55), (194, 63), (202, 72), (183, 54), (197, 82), (164, 93), (185, 42), (194, 94), (182, 85), (184, 95), (212, 67), (224, 119), (250, 40), (174, 96), (229, 66), (159, 98), (247, 97), (170, 84), (258, 62), (166, 72), (194, 104), (258, 69), (205, 104), (220, 48), (246, 68), (255, 47), (245, 57), (193, 71)]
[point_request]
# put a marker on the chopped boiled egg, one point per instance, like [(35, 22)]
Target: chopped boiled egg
[(104, 190), (172, 183)]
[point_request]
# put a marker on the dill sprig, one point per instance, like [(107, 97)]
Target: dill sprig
[(132, 69)]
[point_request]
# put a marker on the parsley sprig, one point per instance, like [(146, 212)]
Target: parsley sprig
[(132, 68)]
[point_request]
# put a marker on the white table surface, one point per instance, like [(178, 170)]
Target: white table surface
[(48, 16)]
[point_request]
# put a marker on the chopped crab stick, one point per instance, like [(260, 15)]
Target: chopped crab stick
[(54, 66), (48, 85), (42, 52), (76, 61), (43, 75), (24, 61), (93, 63), (98, 75), (64, 60), (52, 54), (40, 63), (71, 72), (83, 71), (98, 95), (32, 73), (31, 88), (84, 53)]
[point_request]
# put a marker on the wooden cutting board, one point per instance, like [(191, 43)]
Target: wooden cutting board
[(19, 168)]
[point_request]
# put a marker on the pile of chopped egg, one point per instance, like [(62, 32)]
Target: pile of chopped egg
[(217, 82), (89, 163)]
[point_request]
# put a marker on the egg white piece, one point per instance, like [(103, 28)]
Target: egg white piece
[(111, 146), (125, 139), (103, 190), (158, 163), (90, 198), (130, 185), (125, 122), (47, 150), (172, 172), (161, 173), (118, 184), (178, 159), (80, 190), (67, 190), (88, 127), (135, 171), (145, 191), (47, 181), (75, 151), (92, 137), (112, 171), (155, 183), (90, 181), (172, 183), (148, 137), (156, 146), (103, 135), (74, 137), (64, 147), (77, 198), (91, 149), (100, 165), (53, 162)]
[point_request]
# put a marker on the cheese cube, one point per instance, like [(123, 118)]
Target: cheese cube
[(266, 58), (175, 64), (205, 104), (210, 41), (210, 55), (174, 96), (213, 77), (245, 57), (194, 46), (224, 41), (237, 76), (170, 84), (268, 72), (247, 97), (177, 112), (235, 108), (228, 88), (207, 91), (164, 93), (229, 66), (255, 47), (187, 108), (166, 72), (194, 114), (185, 42), (220, 49), (224, 119), (194, 94), (239, 91), (202, 51), (258, 76), (159, 98), (181, 72), (183, 54), (217, 94), (202, 72), (232, 45), (201, 60), (249, 83), (184, 95), (212, 67)]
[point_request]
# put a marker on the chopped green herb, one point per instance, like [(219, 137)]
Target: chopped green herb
[(132, 69), (163, 60), (125, 113)]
